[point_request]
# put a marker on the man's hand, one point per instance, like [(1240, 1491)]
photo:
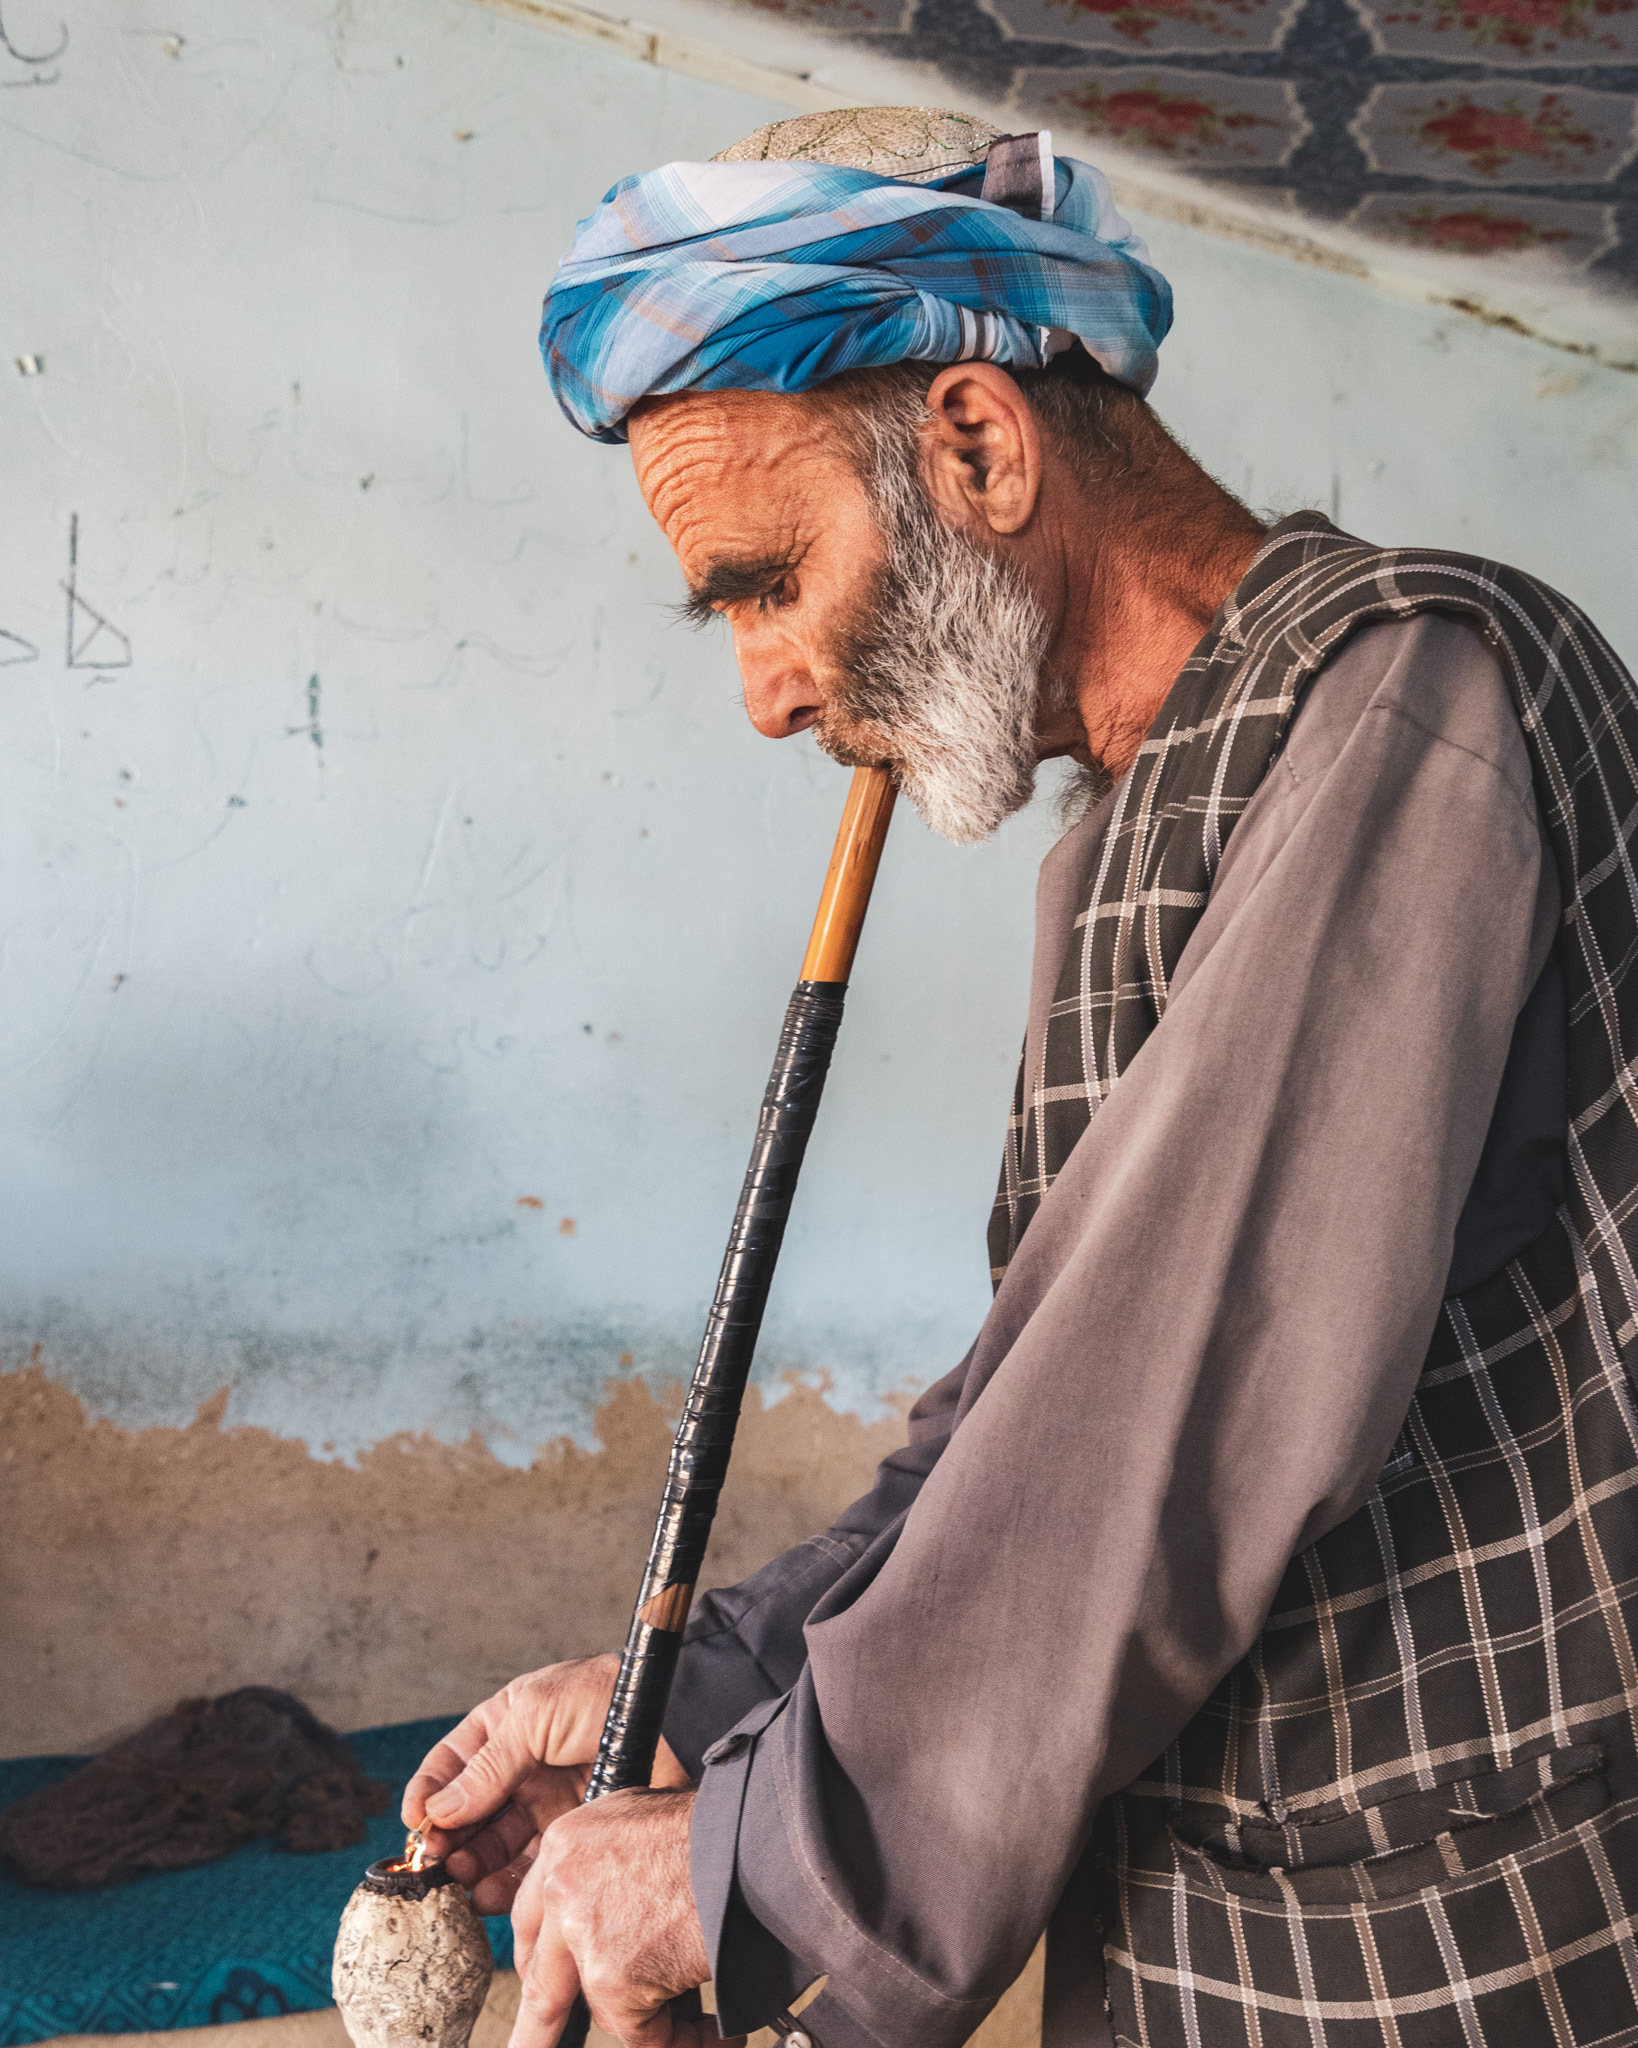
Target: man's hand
[(608, 1908), (532, 1744)]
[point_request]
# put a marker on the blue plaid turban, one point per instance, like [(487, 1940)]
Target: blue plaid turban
[(774, 276)]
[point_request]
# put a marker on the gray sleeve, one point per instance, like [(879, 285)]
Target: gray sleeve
[(744, 1642), (1195, 1366)]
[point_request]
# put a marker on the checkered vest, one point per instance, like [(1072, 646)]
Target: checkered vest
[(1410, 1816)]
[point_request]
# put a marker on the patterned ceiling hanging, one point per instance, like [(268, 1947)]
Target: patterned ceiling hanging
[(1481, 127)]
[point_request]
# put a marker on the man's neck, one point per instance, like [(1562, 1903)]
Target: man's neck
[(1138, 594)]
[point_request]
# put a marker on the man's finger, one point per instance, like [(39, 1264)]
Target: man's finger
[(551, 1984), (528, 1911), (498, 1893), (487, 1781), (550, 1717), (491, 1849), (661, 2026), (444, 1761)]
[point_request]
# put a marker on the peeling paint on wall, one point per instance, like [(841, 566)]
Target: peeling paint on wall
[(393, 950), (379, 859), (142, 1566)]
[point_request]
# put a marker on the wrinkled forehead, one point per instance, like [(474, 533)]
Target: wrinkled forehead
[(727, 473)]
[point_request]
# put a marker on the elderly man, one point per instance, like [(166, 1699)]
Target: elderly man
[(1253, 1606)]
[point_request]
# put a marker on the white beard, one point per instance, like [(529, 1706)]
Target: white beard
[(947, 670)]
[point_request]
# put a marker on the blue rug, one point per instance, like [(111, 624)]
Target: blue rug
[(246, 1938)]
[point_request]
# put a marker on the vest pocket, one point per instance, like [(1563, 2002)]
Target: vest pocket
[(1418, 1839)]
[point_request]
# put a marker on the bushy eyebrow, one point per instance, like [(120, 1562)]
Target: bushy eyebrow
[(732, 579)]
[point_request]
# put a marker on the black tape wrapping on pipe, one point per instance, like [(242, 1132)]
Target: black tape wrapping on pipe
[(705, 1435)]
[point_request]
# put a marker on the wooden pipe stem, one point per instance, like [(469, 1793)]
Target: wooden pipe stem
[(852, 873), (705, 1435)]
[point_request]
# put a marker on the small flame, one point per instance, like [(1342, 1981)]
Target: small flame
[(415, 1855)]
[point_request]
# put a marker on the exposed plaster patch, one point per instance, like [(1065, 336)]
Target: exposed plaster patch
[(512, 1381), (143, 1565)]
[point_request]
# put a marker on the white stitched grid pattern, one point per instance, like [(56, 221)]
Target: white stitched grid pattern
[(1410, 1817)]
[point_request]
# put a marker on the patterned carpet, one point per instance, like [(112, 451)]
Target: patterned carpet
[(1478, 126), (246, 1938)]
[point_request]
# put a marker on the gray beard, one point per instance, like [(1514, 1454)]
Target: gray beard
[(946, 668)]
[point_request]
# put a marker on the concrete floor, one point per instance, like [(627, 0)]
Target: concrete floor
[(1015, 2023)]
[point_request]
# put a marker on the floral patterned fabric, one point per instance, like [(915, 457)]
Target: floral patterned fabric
[(1488, 128)]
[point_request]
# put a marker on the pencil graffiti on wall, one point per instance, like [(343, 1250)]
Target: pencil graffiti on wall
[(93, 641), (312, 729), (31, 60)]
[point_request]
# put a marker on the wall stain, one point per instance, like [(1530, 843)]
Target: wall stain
[(142, 1566), (1510, 322)]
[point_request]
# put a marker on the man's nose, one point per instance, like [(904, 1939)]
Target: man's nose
[(780, 693)]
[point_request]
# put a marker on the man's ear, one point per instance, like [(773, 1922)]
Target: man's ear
[(982, 448)]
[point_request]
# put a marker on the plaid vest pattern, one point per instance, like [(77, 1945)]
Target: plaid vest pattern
[(1410, 1816)]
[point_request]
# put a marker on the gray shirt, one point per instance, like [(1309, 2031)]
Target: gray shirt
[(1195, 1366)]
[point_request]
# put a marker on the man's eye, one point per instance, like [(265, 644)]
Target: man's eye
[(776, 597)]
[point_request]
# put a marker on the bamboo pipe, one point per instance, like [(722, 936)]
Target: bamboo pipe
[(705, 1435)]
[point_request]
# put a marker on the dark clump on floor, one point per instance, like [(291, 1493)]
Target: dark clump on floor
[(190, 1787)]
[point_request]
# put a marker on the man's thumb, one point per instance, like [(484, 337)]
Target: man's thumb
[(486, 1783)]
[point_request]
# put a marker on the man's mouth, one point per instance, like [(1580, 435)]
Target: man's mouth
[(854, 742)]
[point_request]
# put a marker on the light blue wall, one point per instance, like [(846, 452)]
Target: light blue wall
[(524, 925), (1405, 421), (288, 1028)]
